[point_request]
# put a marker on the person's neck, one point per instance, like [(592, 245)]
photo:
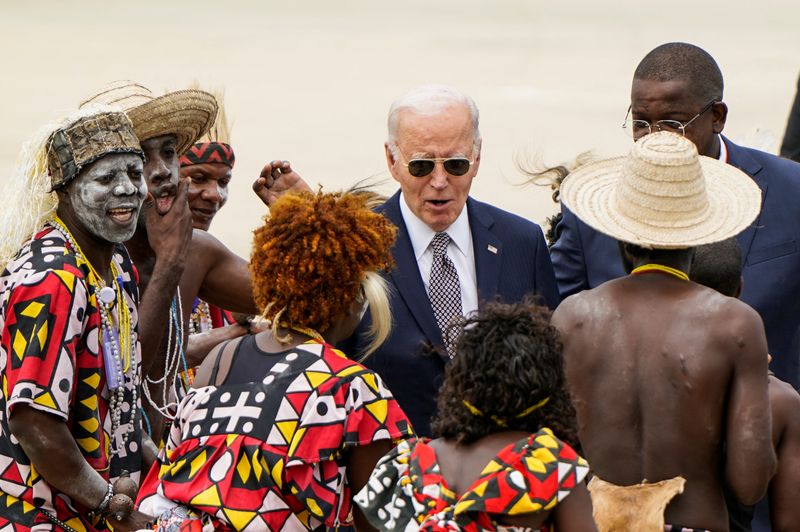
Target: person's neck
[(96, 251), (681, 262)]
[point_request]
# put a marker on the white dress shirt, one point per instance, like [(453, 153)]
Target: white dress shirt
[(459, 250), (723, 150)]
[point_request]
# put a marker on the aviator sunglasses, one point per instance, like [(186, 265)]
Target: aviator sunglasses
[(419, 167)]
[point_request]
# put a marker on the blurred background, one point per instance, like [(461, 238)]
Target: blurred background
[(311, 81)]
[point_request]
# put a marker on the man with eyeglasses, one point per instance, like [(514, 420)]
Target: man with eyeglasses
[(678, 87), (452, 251)]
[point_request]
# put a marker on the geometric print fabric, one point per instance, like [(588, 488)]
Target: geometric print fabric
[(51, 360), (529, 476), (269, 455)]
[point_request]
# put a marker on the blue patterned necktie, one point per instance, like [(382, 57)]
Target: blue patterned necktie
[(444, 290)]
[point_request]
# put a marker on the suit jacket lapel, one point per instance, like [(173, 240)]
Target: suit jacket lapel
[(487, 249), (739, 158), (406, 276)]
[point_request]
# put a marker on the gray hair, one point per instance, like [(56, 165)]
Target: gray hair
[(430, 100)]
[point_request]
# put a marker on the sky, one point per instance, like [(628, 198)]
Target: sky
[(311, 81)]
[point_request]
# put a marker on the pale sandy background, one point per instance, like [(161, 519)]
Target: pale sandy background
[(311, 81)]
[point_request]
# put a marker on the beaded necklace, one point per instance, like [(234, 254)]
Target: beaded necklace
[(652, 268), (175, 354), (118, 345), (200, 320)]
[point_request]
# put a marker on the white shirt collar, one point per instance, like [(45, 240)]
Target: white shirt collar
[(723, 150), (421, 234)]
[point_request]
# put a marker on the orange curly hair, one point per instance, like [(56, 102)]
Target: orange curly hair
[(313, 251)]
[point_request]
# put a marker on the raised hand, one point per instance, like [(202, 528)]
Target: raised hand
[(171, 233), (276, 179)]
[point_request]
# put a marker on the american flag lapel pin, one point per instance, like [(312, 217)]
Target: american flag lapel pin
[(492, 249)]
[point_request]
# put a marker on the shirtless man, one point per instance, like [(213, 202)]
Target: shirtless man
[(719, 266), (668, 378), (204, 266)]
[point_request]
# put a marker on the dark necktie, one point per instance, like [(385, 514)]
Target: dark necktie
[(444, 290)]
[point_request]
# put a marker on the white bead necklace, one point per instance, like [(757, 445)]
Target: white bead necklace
[(111, 338), (172, 363)]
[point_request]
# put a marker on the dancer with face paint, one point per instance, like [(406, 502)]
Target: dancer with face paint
[(167, 126), (71, 438)]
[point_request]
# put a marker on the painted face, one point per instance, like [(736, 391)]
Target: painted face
[(437, 198), (107, 195), (208, 191), (674, 100), (161, 170)]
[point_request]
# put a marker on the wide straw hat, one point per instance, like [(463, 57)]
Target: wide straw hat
[(187, 114), (663, 195)]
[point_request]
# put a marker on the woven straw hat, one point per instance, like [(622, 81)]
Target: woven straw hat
[(663, 195), (187, 114)]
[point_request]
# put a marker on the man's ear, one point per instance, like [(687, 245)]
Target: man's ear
[(390, 160), (719, 114)]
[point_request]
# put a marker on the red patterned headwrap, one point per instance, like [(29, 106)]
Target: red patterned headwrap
[(209, 152)]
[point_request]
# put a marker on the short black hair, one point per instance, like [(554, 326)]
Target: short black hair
[(718, 266), (683, 61), (508, 359)]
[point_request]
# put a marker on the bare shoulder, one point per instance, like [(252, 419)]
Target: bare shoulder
[(785, 403), (586, 305), (734, 316)]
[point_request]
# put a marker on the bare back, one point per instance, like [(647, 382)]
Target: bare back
[(663, 374)]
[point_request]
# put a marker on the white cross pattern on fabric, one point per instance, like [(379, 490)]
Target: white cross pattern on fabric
[(236, 412), (444, 289)]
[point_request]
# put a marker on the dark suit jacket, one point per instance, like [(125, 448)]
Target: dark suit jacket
[(584, 258), (519, 265)]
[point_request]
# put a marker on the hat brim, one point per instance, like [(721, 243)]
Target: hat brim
[(187, 114), (734, 201)]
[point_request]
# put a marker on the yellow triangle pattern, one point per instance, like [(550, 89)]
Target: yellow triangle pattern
[(209, 497), (41, 335), (20, 344), (89, 445), (298, 437), (33, 477), (196, 463), (548, 441), (230, 438), (90, 424), (32, 310), (277, 473), (75, 524), (535, 465), (524, 505), (491, 467), (480, 489), (90, 402), (463, 506), (349, 371), (67, 278), (46, 399), (243, 468), (287, 429), (317, 377), (313, 507), (379, 409), (93, 380), (369, 378), (238, 518), (544, 455), (256, 462)]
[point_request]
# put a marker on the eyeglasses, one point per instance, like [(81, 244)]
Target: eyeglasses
[(643, 127), (456, 166)]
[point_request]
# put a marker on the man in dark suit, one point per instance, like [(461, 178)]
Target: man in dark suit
[(448, 258), (678, 87)]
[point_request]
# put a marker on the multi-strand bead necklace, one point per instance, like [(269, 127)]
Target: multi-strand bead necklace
[(117, 341)]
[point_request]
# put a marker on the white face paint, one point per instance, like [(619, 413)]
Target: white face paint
[(107, 195)]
